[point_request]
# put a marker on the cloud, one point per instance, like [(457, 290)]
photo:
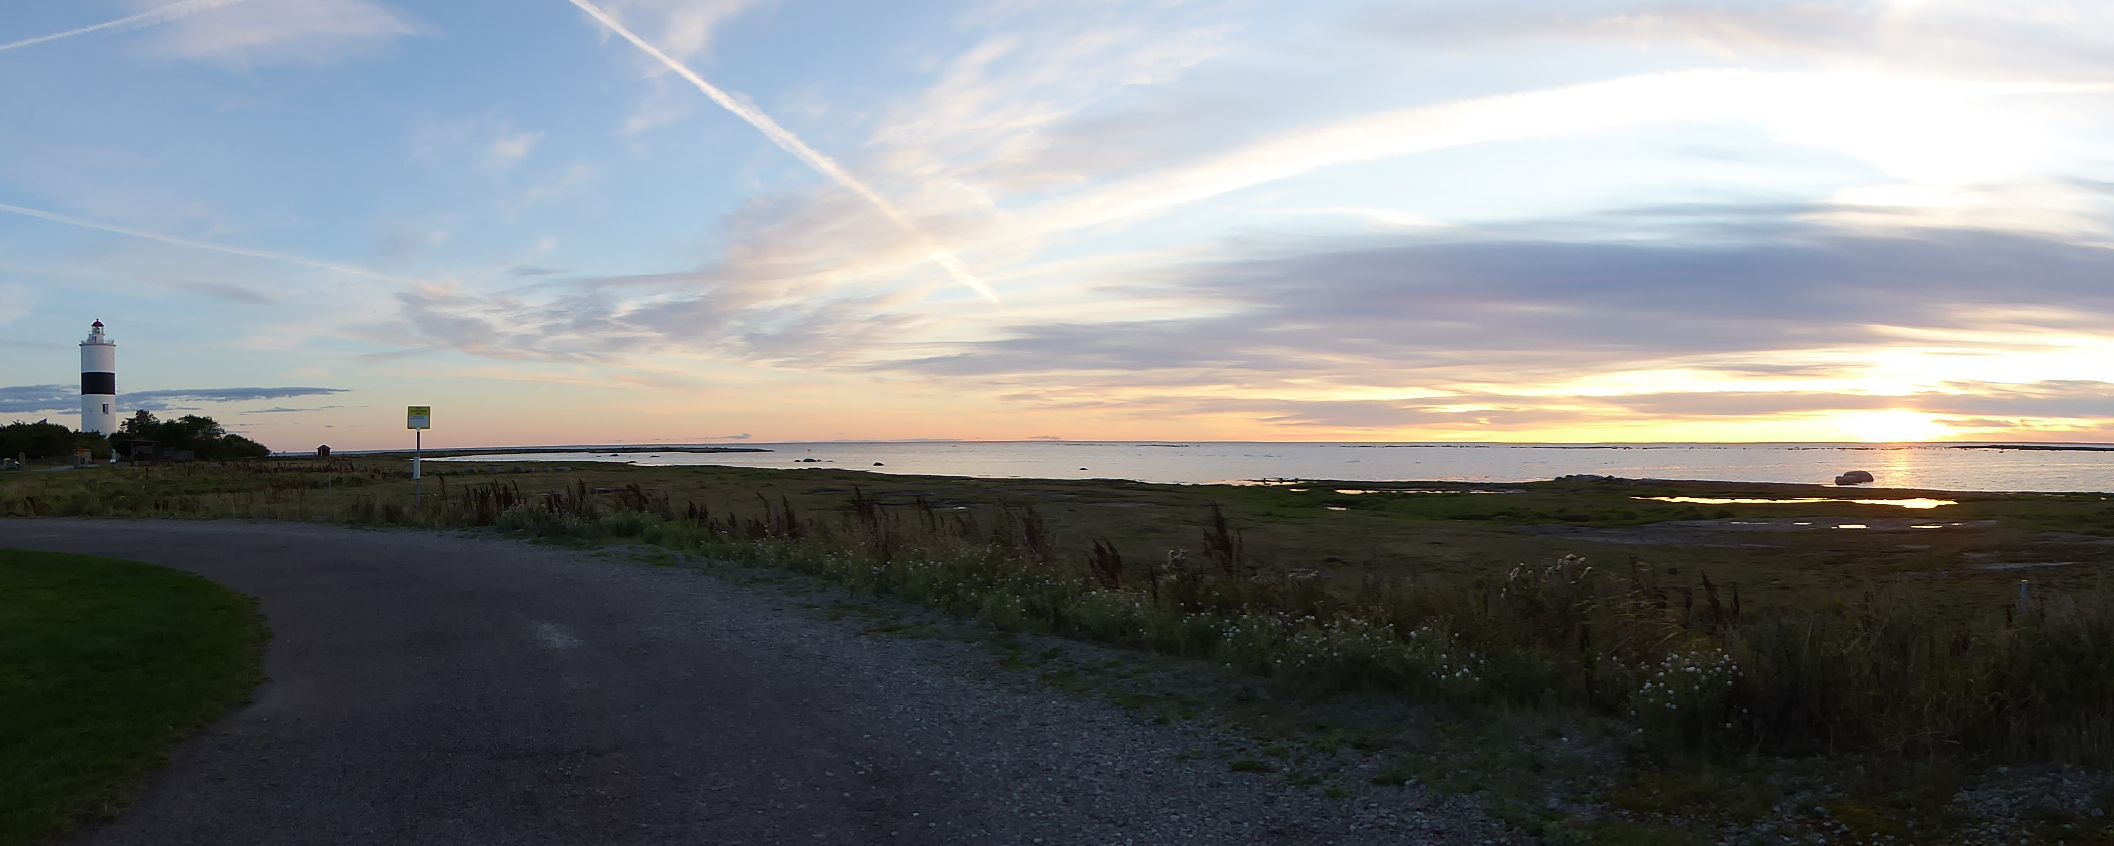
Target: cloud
[(1938, 141), (686, 30), (1417, 300), (401, 242), (227, 394), (577, 323), (585, 321), (282, 32), (1009, 114), (1917, 130), (567, 181), (825, 260), (268, 255), (33, 398), (990, 130), (150, 17), (785, 140), (223, 292), (1717, 312), (15, 301), (1710, 25), (2066, 398), (1943, 37), (1514, 328), (663, 105), (287, 410), (687, 27), (510, 148), (29, 398), (1029, 154)]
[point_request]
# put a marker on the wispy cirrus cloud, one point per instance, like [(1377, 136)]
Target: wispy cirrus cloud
[(225, 292), (15, 301), (685, 29), (1943, 37), (510, 149), (41, 398), (820, 237), (150, 17), (257, 33), (290, 410), (282, 32), (785, 140), (228, 249)]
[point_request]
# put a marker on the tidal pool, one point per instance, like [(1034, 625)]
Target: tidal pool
[(1705, 500)]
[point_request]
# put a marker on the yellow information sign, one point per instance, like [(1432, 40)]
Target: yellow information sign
[(420, 417)]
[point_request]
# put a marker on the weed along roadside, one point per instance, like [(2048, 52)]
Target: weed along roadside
[(1868, 686), (104, 666), (1697, 675)]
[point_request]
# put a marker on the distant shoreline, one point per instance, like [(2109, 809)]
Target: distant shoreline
[(2040, 447), (1576, 445), (538, 450)]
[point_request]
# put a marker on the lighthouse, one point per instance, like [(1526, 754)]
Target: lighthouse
[(98, 382)]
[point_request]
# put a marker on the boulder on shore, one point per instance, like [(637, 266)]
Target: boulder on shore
[(1854, 477)]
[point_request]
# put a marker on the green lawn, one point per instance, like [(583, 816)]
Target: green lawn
[(104, 666)]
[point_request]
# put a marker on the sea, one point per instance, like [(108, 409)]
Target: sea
[(1924, 466)]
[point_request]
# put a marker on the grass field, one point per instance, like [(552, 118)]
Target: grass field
[(1449, 550), (1714, 634), (104, 666), (1465, 531)]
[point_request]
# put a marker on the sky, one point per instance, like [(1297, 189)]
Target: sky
[(609, 221)]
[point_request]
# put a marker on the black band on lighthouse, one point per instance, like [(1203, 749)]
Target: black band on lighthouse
[(99, 383)]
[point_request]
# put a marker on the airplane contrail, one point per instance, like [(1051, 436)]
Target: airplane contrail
[(113, 228), (147, 18), (799, 149)]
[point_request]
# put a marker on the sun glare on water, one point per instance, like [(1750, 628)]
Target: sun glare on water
[(1892, 426)]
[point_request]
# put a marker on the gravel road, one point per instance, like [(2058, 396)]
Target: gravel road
[(452, 688)]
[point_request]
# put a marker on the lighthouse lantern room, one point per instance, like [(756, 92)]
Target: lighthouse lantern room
[(98, 382)]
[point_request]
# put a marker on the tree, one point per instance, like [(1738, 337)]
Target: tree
[(191, 431), (139, 424), (203, 437), (48, 441)]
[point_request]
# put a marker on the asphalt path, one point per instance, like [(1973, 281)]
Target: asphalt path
[(463, 689)]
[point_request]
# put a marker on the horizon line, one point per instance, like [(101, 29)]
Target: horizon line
[(1178, 442)]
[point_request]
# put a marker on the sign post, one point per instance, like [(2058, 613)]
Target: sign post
[(418, 419)]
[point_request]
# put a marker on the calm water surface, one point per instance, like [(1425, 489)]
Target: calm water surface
[(1914, 466)]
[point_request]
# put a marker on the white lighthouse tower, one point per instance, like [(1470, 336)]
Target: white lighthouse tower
[(98, 382)]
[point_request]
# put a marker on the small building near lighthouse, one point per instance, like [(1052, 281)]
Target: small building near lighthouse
[(98, 382)]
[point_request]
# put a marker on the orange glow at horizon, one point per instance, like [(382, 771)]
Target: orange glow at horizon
[(1892, 426)]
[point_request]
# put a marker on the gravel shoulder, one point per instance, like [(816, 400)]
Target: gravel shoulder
[(458, 688)]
